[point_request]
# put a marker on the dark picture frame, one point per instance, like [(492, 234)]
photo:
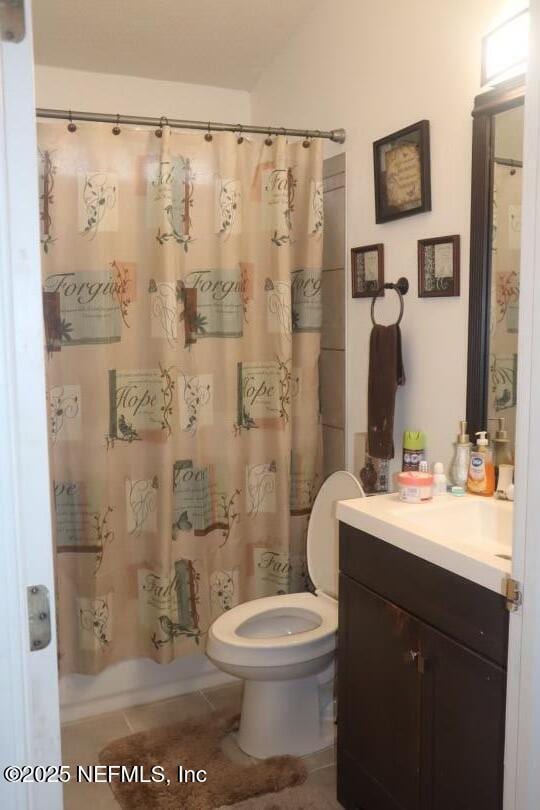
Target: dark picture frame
[(367, 259), (402, 173), (439, 267)]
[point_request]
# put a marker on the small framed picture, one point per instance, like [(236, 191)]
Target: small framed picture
[(402, 173), (438, 267), (367, 268)]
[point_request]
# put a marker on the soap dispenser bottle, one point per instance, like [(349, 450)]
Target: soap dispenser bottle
[(502, 453), (481, 478), (459, 470)]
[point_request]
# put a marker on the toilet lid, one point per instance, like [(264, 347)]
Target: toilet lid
[(323, 530)]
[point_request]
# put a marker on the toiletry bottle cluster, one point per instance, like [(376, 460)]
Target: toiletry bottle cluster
[(415, 483), (483, 470)]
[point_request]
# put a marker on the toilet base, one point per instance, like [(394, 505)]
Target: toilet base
[(283, 717)]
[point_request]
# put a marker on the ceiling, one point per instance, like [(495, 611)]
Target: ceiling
[(226, 43)]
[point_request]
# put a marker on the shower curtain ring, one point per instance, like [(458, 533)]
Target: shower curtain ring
[(116, 129), (240, 138), (306, 143), (71, 126), (268, 140), (208, 136), (159, 132)]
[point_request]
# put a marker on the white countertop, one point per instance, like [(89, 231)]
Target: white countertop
[(464, 534)]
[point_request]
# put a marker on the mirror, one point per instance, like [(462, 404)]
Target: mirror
[(505, 261), (495, 258)]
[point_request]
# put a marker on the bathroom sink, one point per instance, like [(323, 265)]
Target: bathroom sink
[(471, 536), (471, 522)]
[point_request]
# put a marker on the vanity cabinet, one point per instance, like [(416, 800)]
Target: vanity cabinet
[(421, 683)]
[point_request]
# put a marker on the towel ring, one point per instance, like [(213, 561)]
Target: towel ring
[(401, 287)]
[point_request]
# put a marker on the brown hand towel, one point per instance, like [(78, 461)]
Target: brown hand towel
[(385, 374)]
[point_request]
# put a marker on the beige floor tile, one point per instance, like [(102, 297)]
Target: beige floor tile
[(226, 698), (324, 779), (232, 751), (82, 741), (321, 759), (89, 797), (166, 712)]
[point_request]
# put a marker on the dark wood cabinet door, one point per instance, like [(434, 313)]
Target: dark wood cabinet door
[(379, 714), (463, 727)]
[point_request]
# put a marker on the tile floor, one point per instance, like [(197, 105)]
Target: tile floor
[(83, 740)]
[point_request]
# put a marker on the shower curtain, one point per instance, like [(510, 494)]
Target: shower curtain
[(182, 308)]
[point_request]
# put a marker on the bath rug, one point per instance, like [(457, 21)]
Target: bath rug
[(195, 744), (304, 797)]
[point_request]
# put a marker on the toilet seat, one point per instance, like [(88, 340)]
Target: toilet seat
[(232, 647), (323, 531)]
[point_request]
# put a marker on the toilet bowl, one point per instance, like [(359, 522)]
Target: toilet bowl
[(283, 646)]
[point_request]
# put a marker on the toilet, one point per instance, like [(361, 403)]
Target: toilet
[(283, 646)]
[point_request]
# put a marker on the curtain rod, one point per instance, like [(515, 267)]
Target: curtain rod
[(336, 135)]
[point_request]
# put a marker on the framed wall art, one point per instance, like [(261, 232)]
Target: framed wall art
[(402, 173), (438, 267), (367, 269)]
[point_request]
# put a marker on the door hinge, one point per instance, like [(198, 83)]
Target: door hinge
[(513, 594), (39, 617), (12, 21)]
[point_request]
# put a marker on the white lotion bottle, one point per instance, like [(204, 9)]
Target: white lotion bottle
[(439, 479), (460, 466)]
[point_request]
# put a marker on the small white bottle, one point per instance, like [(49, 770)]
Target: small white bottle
[(440, 482), (460, 466)]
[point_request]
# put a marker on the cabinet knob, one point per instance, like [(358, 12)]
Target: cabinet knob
[(417, 658)]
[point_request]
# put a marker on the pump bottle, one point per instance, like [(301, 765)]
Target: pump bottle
[(481, 478), (502, 453), (460, 465)]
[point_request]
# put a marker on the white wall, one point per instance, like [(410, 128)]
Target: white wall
[(374, 67), (131, 95), (136, 681)]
